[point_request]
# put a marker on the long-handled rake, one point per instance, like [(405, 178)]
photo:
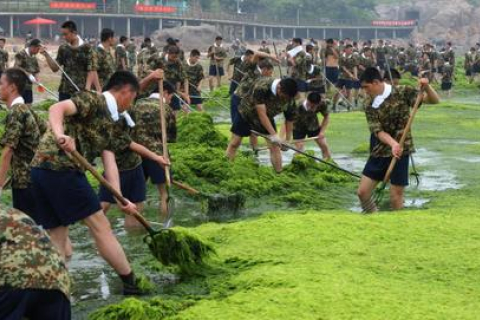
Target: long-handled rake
[(285, 145), (378, 194)]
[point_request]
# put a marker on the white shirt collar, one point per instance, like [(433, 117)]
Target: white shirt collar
[(293, 52), (304, 104), (113, 109), (120, 45), (80, 41), (156, 95), (312, 68), (377, 102), (17, 100), (274, 86), (190, 64), (101, 46), (27, 50)]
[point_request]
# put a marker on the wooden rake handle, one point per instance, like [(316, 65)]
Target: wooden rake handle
[(186, 188), (87, 166), (408, 126), (164, 132)]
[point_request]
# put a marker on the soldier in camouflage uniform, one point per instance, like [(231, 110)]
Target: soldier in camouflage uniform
[(175, 73), (468, 64), (381, 52), (298, 60), (194, 71), (23, 129), (387, 112), (447, 78), (34, 281), (148, 50), (78, 60), (237, 73), (106, 61), (148, 132), (264, 48), (27, 60), (85, 122), (267, 98), (3, 56), (348, 76), (306, 124), (217, 55), (132, 55), (412, 61), (121, 54)]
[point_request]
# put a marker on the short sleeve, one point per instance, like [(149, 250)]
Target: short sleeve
[(410, 95), (373, 121), (13, 130), (260, 95), (18, 61), (61, 56), (85, 102), (92, 59), (120, 139), (289, 114)]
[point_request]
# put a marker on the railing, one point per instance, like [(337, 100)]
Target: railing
[(42, 6)]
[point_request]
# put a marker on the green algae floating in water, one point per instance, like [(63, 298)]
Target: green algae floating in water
[(178, 246)]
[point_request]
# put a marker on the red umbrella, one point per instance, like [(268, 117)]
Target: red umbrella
[(38, 22)]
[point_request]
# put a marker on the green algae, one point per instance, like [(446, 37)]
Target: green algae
[(198, 128), (44, 105), (361, 149)]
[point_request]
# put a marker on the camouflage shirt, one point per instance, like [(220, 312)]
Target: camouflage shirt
[(174, 71), (218, 52), (250, 75), (299, 70), (121, 55), (28, 258), (236, 62), (381, 53), (28, 63), (142, 61), (447, 74), (261, 93), (264, 49), (316, 78), (391, 117), (126, 159), (132, 54), (365, 62), (106, 65), (306, 118), (92, 128), (194, 76), (3, 59), (349, 63), (76, 62), (23, 130), (148, 128)]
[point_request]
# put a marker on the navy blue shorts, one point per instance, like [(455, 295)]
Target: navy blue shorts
[(376, 168), (212, 71), (300, 133), (242, 128), (27, 96), (34, 304), (24, 200), (446, 86), (175, 103), (62, 197), (356, 85), (154, 171), (64, 96), (332, 74), (233, 87), (476, 68), (468, 72), (345, 83), (319, 89), (234, 103), (132, 184), (302, 85), (381, 64), (196, 100)]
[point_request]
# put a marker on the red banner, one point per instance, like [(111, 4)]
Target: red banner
[(73, 5), (156, 9), (394, 23)]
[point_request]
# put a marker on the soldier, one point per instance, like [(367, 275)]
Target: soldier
[(306, 124), (121, 54), (27, 60), (237, 73), (402, 59), (330, 57), (298, 60), (23, 129), (381, 54), (447, 78), (315, 79), (412, 61), (79, 61), (148, 50), (425, 70), (34, 281), (387, 112), (264, 48), (476, 62), (267, 98), (217, 55), (106, 61), (3, 56), (148, 132), (132, 54), (468, 64), (392, 77), (86, 120), (348, 75), (175, 74), (195, 76)]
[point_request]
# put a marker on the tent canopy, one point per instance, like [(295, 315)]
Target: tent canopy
[(39, 21)]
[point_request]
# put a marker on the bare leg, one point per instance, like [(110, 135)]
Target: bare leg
[(107, 244), (233, 146), (300, 145), (162, 192), (396, 197), (210, 83), (132, 223), (59, 236), (275, 157), (253, 142), (199, 107), (322, 143), (364, 193)]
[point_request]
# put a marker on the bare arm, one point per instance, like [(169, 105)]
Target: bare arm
[(324, 125), (289, 129), (146, 153), (262, 115), (5, 159), (92, 79), (56, 115), (431, 96)]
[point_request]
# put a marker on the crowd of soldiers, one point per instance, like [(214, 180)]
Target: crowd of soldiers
[(109, 105)]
